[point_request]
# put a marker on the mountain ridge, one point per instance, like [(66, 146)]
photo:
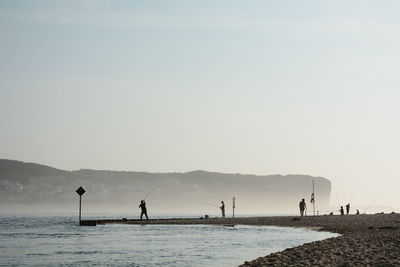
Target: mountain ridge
[(31, 184)]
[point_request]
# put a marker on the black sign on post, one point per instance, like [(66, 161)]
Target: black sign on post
[(80, 192)]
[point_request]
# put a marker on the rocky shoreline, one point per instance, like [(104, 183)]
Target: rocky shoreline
[(366, 240)]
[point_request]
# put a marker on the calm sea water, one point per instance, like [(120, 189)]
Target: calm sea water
[(58, 240)]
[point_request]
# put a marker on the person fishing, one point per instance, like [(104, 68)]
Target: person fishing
[(144, 210), (302, 206), (348, 208), (341, 210), (222, 209)]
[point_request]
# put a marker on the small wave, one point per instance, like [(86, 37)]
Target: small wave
[(77, 252)]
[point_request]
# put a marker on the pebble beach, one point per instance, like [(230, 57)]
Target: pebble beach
[(365, 240)]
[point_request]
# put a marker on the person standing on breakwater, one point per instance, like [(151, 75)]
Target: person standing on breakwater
[(222, 209), (144, 210), (341, 210), (347, 209), (302, 206)]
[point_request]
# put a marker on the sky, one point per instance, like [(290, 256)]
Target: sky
[(255, 87)]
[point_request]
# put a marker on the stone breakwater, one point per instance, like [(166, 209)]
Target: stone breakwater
[(366, 240)]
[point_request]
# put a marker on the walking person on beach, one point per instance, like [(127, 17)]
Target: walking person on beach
[(222, 209), (302, 206), (144, 210), (341, 210), (347, 209)]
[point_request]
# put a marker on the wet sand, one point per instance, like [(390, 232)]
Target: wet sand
[(366, 240)]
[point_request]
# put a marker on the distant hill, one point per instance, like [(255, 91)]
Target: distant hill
[(30, 186)]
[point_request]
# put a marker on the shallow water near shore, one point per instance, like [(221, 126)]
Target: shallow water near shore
[(58, 240)]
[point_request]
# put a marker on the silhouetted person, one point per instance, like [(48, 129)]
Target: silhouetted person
[(144, 210), (222, 209), (358, 213), (347, 209), (341, 210), (302, 206)]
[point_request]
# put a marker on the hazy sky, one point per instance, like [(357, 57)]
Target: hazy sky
[(261, 87)]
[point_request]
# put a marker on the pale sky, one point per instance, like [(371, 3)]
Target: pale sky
[(260, 87)]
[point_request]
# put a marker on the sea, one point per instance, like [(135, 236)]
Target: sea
[(58, 240)]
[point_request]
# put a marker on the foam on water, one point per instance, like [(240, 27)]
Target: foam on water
[(58, 240)]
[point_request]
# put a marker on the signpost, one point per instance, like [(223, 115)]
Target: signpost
[(233, 207), (80, 192), (313, 197)]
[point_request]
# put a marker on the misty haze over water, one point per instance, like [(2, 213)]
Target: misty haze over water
[(28, 186)]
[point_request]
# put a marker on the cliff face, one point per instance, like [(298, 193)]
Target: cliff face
[(33, 186)]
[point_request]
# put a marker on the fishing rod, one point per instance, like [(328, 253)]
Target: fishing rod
[(337, 197), (352, 194), (148, 194), (205, 203)]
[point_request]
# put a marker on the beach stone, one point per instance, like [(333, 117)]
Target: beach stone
[(367, 240)]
